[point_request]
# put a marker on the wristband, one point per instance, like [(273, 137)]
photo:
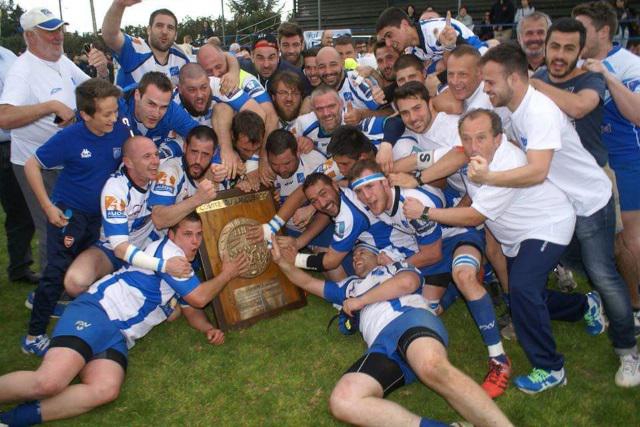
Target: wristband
[(425, 214), (272, 227), (424, 159), (140, 259), (418, 177), (301, 260), (310, 261)]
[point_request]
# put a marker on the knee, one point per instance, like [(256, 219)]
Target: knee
[(47, 387), (433, 369), (105, 392), (342, 400), (75, 283)]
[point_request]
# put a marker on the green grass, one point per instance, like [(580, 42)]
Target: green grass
[(281, 372)]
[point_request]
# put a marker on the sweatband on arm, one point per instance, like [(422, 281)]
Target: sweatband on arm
[(272, 227), (310, 261), (424, 159), (141, 259)]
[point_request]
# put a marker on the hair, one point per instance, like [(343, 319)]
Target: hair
[(535, 16), (568, 25), (249, 124), (280, 141), (166, 12), (362, 165), (349, 141), (314, 178), (190, 217), (323, 89), (156, 78), (601, 13), (391, 17), (465, 49), (289, 29), (380, 44), (92, 90), (191, 70), (511, 56), (202, 132), (411, 90), (496, 122), (407, 61), (343, 41), (289, 78), (312, 52)]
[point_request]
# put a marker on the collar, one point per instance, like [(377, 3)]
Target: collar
[(137, 187), (616, 47), (395, 193)]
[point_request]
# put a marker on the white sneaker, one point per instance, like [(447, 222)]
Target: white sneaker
[(636, 323), (628, 374)]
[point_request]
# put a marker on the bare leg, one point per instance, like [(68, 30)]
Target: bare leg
[(101, 383), (91, 265), (58, 368), (357, 399), (428, 359), (496, 258), (628, 269)]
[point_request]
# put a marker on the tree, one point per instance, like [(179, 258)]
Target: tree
[(251, 12)]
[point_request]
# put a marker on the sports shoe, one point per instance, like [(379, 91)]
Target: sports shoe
[(38, 346), (636, 323), (540, 380), (628, 374), (58, 310), (564, 279), (497, 379), (594, 317)]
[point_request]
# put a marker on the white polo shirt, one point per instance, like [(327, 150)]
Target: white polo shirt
[(514, 215), (538, 124), (31, 81)]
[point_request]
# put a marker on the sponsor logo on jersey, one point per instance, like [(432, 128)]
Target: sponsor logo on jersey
[(165, 182), (55, 90), (174, 71), (81, 325), (85, 154), (300, 176), (114, 207), (423, 227)]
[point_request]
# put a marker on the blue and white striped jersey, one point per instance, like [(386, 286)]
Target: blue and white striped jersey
[(172, 185), (136, 300), (375, 317), (356, 90)]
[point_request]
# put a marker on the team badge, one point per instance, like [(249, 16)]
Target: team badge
[(300, 176), (340, 229), (68, 241), (117, 152)]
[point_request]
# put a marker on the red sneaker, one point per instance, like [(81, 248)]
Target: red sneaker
[(497, 379)]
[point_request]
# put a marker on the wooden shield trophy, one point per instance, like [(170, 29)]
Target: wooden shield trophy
[(262, 292)]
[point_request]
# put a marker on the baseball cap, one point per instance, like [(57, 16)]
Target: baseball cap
[(265, 40), (42, 18)]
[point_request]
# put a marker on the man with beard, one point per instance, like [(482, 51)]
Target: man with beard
[(310, 68), (532, 32), (386, 58), (286, 92), (181, 186), (554, 151), (135, 56), (291, 43)]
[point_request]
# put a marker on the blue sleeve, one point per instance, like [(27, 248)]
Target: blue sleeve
[(346, 243), (334, 293), (427, 232), (160, 200), (236, 102), (169, 148), (180, 120), (51, 153), (128, 58), (393, 129), (182, 286)]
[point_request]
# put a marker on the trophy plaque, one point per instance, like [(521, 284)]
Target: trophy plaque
[(264, 291)]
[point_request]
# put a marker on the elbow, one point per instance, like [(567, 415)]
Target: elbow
[(410, 285), (158, 221), (198, 301)]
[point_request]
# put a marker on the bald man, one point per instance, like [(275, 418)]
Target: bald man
[(126, 222)]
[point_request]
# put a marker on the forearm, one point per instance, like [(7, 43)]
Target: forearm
[(627, 102), (197, 319), (524, 176), (445, 166), (291, 205), (111, 33), (423, 258), (33, 172), (302, 279), (315, 227), (252, 105), (233, 67), (402, 284), (12, 117), (457, 217), (221, 124), (167, 216), (406, 164), (572, 104)]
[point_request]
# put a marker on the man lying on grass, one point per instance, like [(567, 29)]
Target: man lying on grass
[(405, 340), (91, 339)]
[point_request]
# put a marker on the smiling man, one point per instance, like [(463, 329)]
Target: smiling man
[(532, 32)]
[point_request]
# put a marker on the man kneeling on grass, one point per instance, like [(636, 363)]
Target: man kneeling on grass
[(91, 339), (405, 340)]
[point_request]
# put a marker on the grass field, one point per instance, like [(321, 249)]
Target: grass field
[(281, 372)]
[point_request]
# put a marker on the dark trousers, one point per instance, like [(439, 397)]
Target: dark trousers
[(533, 306), (63, 246), (18, 223)]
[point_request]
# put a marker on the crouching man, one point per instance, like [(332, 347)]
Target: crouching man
[(405, 342), (92, 338)]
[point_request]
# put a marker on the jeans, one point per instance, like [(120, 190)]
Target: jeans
[(592, 252)]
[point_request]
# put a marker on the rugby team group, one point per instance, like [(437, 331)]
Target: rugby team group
[(408, 171)]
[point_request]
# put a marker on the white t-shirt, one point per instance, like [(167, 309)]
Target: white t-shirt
[(538, 124), (479, 99), (31, 81), (514, 215)]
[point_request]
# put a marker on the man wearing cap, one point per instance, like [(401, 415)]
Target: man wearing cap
[(266, 61), (37, 100)]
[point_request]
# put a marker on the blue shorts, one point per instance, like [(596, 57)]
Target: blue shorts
[(472, 237), (628, 181), (387, 342), (85, 319), (116, 262)]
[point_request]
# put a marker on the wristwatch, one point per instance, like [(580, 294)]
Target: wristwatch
[(425, 214)]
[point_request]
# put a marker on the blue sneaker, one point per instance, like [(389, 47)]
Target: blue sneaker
[(58, 310), (594, 317), (540, 380), (38, 346)]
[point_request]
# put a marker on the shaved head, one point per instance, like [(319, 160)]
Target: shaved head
[(328, 53), (330, 66), (213, 60), (191, 71), (135, 145)]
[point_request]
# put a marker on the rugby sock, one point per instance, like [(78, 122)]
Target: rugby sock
[(428, 422), (26, 414), (450, 296), (482, 312), (507, 301)]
